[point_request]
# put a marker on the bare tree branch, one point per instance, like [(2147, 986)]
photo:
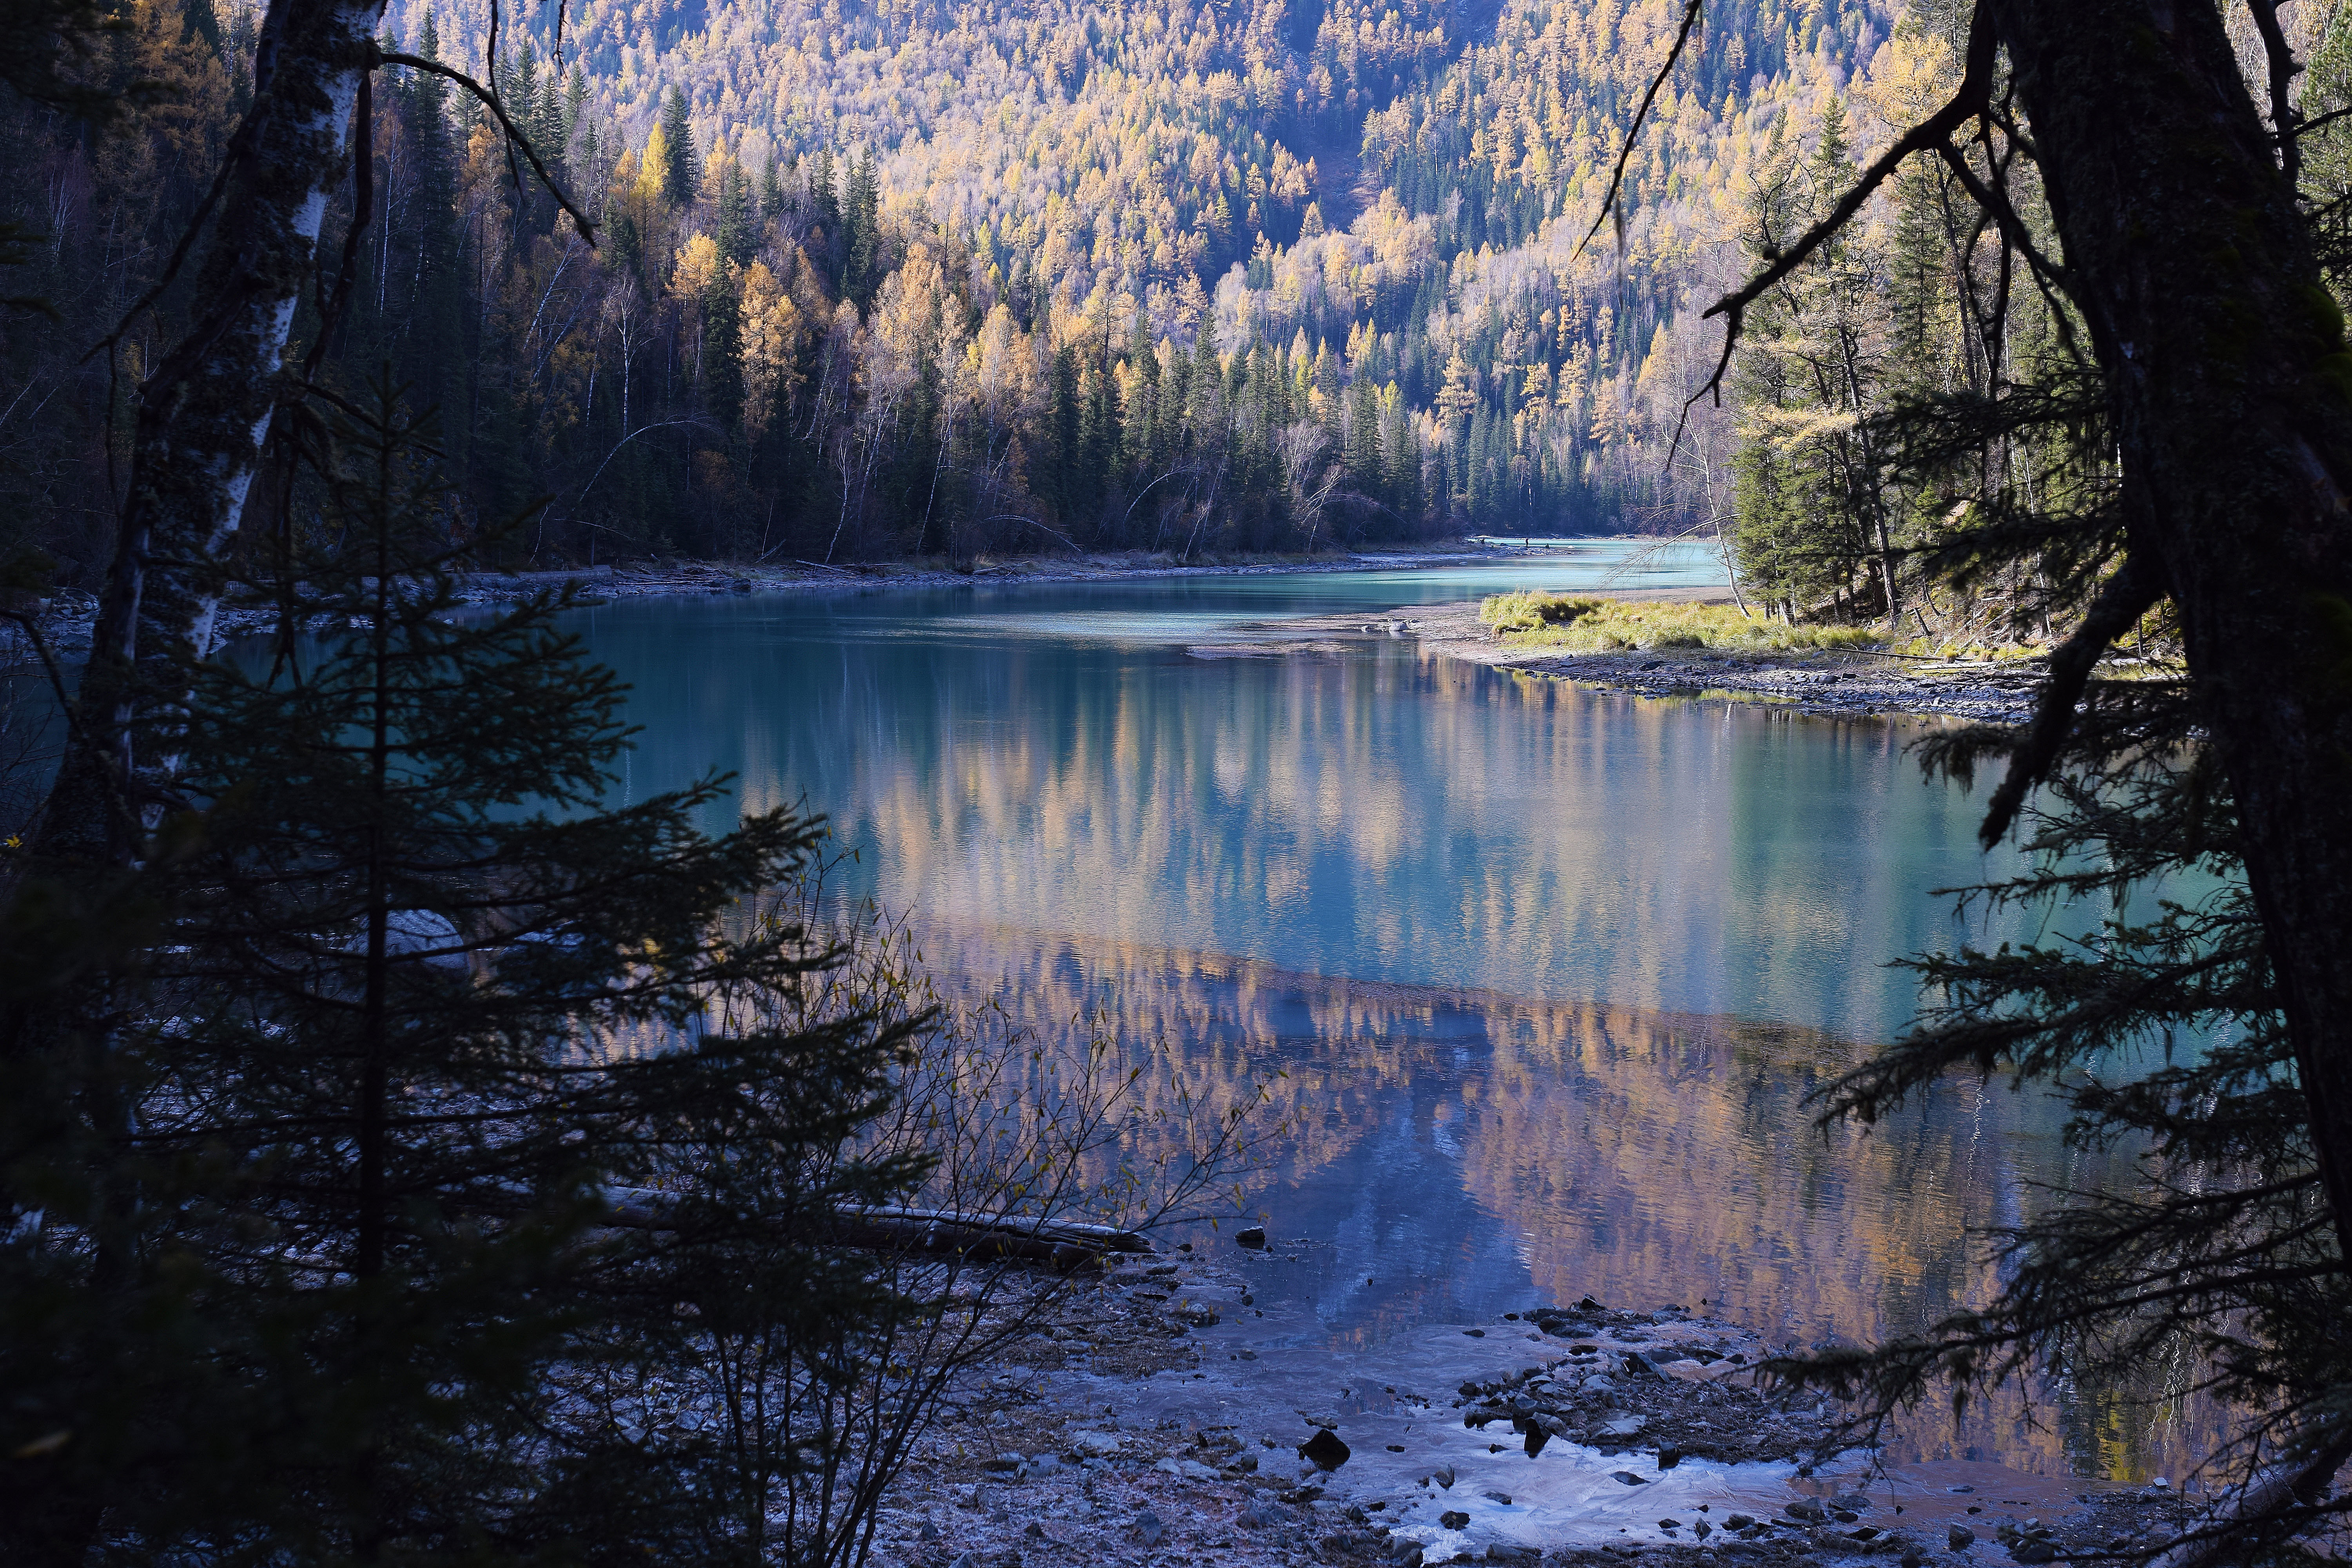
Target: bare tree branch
[(1929, 135), (1609, 206), (515, 138), (2127, 595)]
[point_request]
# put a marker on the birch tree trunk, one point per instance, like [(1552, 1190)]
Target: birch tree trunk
[(2231, 389), (205, 412)]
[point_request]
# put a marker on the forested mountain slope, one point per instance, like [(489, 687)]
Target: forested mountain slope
[(922, 277)]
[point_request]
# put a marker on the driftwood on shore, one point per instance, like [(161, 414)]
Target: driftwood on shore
[(2294, 1488), (1061, 1242)]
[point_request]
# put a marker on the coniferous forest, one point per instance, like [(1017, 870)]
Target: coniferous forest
[(941, 280)]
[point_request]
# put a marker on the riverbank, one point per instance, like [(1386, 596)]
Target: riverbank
[(1848, 683), (67, 620), (1156, 1418)]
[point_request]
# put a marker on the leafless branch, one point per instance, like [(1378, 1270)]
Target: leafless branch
[(1609, 205), (2127, 595), (516, 140), (1929, 135)]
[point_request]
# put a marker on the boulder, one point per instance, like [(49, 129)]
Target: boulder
[(1324, 1450)]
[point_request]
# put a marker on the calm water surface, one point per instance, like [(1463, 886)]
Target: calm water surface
[(1548, 971)]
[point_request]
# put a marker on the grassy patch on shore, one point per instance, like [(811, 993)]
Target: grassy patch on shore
[(1604, 625)]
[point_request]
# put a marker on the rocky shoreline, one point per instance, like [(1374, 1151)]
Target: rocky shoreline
[(1152, 1420), (1844, 683)]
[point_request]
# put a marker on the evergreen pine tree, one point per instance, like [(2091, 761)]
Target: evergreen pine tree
[(1140, 436), (772, 194), (680, 174), (1363, 452), (861, 263), (576, 104), (737, 236), (722, 346), (1400, 456), (1060, 487)]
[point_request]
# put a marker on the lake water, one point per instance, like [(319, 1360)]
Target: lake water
[(1546, 971)]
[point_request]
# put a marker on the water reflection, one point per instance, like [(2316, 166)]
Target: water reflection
[(1376, 814), (1451, 1155), (1548, 970)]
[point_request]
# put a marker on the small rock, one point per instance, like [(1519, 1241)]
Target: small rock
[(1961, 1538), (1100, 1444), (1476, 1333), (2031, 1551), (1149, 1528), (1702, 1529), (1264, 1513), (1443, 1476), (1629, 1477), (1455, 1518), (1669, 1456), (1001, 1462), (1590, 1305), (1252, 1237), (1597, 1384), (1036, 1531), (1503, 1498), (1738, 1522), (1852, 1502), (1324, 1450), (1808, 1510), (1408, 1555)]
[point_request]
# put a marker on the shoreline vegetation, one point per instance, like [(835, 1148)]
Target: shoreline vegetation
[(1692, 642)]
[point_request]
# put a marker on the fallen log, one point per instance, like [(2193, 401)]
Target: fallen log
[(2263, 1500), (1063, 1243)]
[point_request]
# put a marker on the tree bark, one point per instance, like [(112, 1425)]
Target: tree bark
[(2231, 392), (204, 412)]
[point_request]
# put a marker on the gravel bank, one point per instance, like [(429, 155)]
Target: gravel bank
[(1844, 683), (1158, 1422)]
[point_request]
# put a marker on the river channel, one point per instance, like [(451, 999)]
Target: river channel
[(1548, 971)]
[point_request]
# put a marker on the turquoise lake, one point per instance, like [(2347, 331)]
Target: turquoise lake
[(1548, 971)]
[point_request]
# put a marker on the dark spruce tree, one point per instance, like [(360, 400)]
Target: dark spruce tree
[(331, 1130), (681, 174)]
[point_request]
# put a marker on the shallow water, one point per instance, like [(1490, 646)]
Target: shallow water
[(1545, 973)]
